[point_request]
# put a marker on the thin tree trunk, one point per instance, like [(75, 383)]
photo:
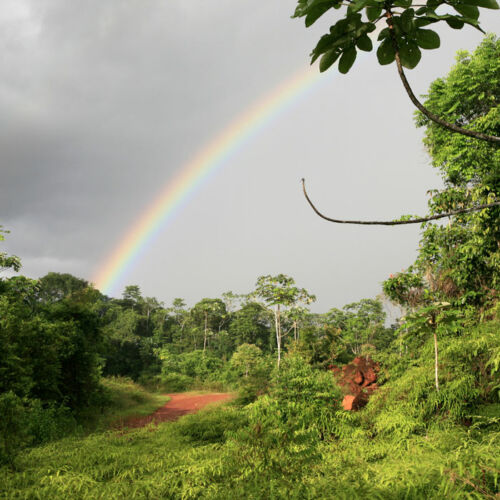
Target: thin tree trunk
[(278, 332), (436, 360), (205, 333)]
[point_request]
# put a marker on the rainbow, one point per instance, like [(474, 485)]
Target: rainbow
[(192, 175)]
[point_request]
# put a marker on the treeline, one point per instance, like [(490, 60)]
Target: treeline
[(60, 335)]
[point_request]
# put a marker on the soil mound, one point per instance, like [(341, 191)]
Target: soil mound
[(358, 379)]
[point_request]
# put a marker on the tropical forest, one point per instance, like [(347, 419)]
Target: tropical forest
[(256, 395)]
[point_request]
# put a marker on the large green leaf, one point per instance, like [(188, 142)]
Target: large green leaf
[(427, 39), (410, 54), (419, 22), (347, 59), (487, 4), (357, 5), (455, 23), (328, 59), (365, 43), (314, 13), (324, 43), (467, 10), (373, 12), (385, 52), (407, 20), (383, 34)]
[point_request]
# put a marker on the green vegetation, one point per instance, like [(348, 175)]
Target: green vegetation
[(430, 430), (126, 399)]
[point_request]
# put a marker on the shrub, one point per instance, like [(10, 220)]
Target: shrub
[(176, 382), (48, 422), (212, 425), (13, 430)]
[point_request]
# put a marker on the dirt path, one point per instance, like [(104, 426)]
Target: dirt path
[(179, 404)]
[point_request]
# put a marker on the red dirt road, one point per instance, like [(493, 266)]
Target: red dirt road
[(179, 404)]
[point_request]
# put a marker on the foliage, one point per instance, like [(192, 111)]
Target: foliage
[(245, 359), (281, 293), (406, 27), (122, 399), (462, 259), (361, 323), (296, 443), (211, 425), (13, 432), (8, 261)]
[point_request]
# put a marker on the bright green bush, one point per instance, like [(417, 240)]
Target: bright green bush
[(212, 425)]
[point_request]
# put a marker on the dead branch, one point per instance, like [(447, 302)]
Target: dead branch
[(416, 220)]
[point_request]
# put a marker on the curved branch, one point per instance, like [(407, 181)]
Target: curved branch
[(450, 126), (435, 118), (416, 220)]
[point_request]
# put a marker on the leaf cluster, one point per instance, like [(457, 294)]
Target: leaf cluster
[(407, 29)]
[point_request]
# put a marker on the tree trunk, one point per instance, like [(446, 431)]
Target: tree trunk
[(436, 360), (278, 332), (205, 333)]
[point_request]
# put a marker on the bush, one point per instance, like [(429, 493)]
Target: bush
[(176, 382), (212, 425), (13, 429), (46, 423)]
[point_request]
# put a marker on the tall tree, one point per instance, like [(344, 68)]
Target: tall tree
[(279, 292), (57, 286), (210, 316), (360, 323)]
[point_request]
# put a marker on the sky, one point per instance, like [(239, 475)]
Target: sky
[(102, 104)]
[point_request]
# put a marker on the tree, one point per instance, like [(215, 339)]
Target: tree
[(245, 358), (281, 293), (209, 314), (131, 296), (8, 261), (250, 325), (57, 286), (400, 41), (360, 323), (462, 259), (459, 262)]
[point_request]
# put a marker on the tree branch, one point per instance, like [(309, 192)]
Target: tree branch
[(416, 220), (450, 126)]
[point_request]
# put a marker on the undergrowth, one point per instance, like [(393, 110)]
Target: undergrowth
[(297, 443)]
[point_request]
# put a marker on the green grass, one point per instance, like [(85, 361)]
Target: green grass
[(186, 460), (126, 400)]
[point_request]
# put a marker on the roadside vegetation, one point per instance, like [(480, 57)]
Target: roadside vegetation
[(74, 361)]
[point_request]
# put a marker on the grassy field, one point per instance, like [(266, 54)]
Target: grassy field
[(127, 399), (201, 456)]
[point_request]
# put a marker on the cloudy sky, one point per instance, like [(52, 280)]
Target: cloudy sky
[(103, 103)]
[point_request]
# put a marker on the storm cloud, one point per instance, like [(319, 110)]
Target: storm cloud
[(101, 104)]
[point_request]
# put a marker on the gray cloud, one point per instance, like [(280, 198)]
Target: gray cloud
[(101, 103)]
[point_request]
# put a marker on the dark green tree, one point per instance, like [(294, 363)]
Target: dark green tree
[(57, 286), (251, 325)]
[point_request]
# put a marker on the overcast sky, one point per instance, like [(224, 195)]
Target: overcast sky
[(102, 102)]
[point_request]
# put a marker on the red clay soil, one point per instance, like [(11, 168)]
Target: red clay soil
[(179, 404)]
